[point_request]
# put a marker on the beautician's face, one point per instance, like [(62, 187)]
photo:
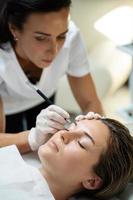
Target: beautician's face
[(73, 153), (42, 37)]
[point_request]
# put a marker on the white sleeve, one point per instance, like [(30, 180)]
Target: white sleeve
[(1, 86), (78, 58), (1, 80)]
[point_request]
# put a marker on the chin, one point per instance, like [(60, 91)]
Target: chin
[(41, 66)]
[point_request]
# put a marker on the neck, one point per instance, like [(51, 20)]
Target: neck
[(59, 188)]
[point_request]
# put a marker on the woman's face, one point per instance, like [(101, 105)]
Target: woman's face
[(74, 153), (42, 37)]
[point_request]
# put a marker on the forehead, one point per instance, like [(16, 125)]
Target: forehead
[(48, 21), (96, 129)]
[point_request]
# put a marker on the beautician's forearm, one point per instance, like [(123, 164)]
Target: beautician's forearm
[(95, 107), (2, 117), (85, 93), (19, 139)]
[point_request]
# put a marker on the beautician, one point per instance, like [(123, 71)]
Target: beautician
[(39, 44)]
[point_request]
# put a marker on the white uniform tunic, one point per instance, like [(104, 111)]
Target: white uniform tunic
[(17, 95)]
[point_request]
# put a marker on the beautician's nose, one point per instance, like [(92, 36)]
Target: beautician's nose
[(53, 46), (68, 136)]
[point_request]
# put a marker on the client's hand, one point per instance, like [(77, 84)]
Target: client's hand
[(89, 115), (49, 121)]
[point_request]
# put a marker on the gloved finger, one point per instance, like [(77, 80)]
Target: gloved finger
[(52, 115), (55, 117), (97, 116), (89, 115), (48, 130), (49, 123), (59, 110), (55, 125), (52, 130), (92, 115), (80, 117)]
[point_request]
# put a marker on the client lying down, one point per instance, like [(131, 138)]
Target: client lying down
[(94, 157)]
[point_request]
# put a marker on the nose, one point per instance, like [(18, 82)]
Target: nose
[(68, 136), (53, 46)]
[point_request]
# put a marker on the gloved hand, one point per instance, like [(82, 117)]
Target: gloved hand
[(89, 115), (49, 121)]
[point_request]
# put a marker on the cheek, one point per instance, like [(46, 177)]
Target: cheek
[(60, 44), (34, 49), (44, 153), (31, 47), (72, 158)]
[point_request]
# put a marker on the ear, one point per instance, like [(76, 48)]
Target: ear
[(13, 29), (92, 183)]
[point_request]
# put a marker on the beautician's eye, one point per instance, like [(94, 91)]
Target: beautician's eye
[(81, 145), (42, 38), (62, 37)]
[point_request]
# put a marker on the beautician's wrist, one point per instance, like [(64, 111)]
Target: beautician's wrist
[(22, 142)]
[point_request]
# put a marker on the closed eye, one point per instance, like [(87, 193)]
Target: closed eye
[(81, 145), (42, 38), (63, 37)]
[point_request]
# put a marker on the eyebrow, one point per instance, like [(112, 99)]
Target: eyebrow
[(47, 34), (90, 137), (87, 134)]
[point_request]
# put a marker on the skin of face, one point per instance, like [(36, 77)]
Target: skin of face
[(73, 153), (42, 37)]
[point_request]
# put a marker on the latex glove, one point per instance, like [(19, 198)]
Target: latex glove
[(49, 121), (89, 115)]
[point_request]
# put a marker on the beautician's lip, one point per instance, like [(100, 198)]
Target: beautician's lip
[(54, 145), (47, 61)]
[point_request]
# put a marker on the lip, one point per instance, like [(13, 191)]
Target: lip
[(53, 145), (47, 61)]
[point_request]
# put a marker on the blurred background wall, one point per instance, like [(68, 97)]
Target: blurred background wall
[(86, 12), (110, 67)]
